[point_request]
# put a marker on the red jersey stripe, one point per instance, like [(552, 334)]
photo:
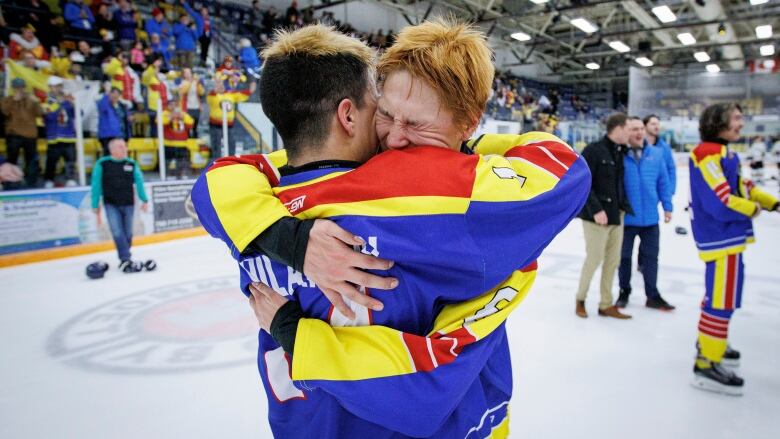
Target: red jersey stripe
[(418, 350), (358, 185)]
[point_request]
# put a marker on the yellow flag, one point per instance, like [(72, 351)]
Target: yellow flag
[(36, 81)]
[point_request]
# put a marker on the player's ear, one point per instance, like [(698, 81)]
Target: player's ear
[(468, 130), (346, 114)]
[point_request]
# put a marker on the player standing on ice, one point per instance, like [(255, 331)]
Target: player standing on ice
[(723, 204), (113, 178)]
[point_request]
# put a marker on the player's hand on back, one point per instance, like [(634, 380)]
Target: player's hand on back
[(336, 267), (265, 303)]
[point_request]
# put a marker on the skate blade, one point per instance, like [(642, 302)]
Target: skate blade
[(710, 386)]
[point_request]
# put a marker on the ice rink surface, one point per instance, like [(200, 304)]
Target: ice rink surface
[(171, 353)]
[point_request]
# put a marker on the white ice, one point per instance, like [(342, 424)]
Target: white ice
[(170, 354)]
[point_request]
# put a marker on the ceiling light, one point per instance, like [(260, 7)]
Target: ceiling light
[(701, 56), (686, 38), (592, 66), (713, 68), (755, 2), (540, 2), (521, 36), (767, 50), (764, 31), (664, 13), (584, 25), (619, 46), (644, 61)]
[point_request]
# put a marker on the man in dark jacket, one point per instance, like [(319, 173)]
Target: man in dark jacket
[(602, 216)]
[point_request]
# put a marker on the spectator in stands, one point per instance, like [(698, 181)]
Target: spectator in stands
[(187, 31), (270, 20), (647, 184), (91, 55), (191, 91), (158, 48), (205, 37), (292, 16), (113, 118), (38, 14), (118, 70), (554, 101), (126, 24), (5, 33), (159, 25), (653, 138), (76, 66), (156, 89), (255, 18), (307, 16), (31, 62), (91, 60), (107, 28), (248, 57), (60, 123), (380, 40), (222, 101), (113, 179), (138, 58), (79, 19), (26, 41), (229, 74), (10, 175), (20, 111), (602, 216), (177, 125)]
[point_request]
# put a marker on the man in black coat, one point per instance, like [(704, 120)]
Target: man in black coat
[(602, 216)]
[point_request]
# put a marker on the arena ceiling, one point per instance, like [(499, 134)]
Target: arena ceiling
[(725, 30)]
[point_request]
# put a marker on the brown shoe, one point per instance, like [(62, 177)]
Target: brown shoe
[(612, 311), (581, 309)]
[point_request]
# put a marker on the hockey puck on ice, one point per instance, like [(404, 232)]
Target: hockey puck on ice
[(681, 230)]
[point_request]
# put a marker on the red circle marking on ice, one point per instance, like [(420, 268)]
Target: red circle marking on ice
[(202, 317)]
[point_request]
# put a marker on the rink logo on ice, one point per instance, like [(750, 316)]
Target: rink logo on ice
[(198, 325)]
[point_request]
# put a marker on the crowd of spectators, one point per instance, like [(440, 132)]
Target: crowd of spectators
[(261, 21), (538, 105), (140, 60), (145, 56)]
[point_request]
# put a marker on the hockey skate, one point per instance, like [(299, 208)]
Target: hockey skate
[(716, 378), (130, 267), (730, 358)]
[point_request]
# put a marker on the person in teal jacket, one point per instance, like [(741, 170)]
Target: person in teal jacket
[(113, 178), (646, 184)]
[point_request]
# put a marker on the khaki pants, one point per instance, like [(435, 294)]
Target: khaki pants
[(602, 247)]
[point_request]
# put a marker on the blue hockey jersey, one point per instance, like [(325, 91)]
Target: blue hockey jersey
[(722, 202), (435, 361)]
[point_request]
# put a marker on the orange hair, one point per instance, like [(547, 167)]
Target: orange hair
[(452, 57)]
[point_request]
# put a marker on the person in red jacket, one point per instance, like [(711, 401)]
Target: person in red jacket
[(176, 129)]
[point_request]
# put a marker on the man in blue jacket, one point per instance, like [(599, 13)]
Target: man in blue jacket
[(79, 19), (158, 25), (187, 31), (113, 118), (646, 183)]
